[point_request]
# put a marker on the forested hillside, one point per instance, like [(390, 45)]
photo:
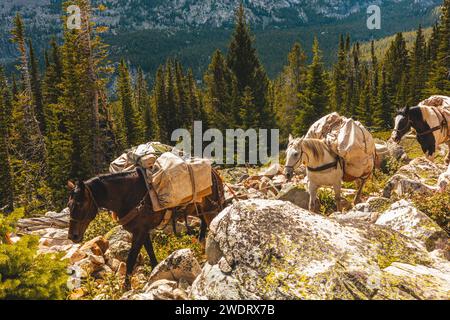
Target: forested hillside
[(146, 33)]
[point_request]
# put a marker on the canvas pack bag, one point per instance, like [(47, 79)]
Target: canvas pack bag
[(350, 140), (144, 156), (443, 104), (178, 182)]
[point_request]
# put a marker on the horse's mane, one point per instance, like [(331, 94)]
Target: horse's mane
[(111, 176), (316, 147)]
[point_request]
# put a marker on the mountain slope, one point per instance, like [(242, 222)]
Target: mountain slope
[(148, 31)]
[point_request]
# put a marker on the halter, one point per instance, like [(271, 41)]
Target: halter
[(409, 123), (91, 195), (296, 164)]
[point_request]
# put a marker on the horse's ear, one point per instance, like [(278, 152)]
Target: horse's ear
[(291, 138), (81, 186), (407, 109), (70, 185)]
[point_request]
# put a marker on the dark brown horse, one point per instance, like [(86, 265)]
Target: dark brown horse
[(126, 195)]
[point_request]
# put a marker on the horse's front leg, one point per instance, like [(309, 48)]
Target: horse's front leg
[(151, 253), (361, 183), (337, 196), (312, 196), (203, 229), (137, 243)]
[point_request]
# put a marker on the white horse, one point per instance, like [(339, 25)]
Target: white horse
[(324, 168)]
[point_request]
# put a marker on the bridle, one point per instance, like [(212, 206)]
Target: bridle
[(405, 129), (298, 162), (91, 196)]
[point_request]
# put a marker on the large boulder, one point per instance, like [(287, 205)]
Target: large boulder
[(403, 217), (181, 264), (270, 249), (419, 176)]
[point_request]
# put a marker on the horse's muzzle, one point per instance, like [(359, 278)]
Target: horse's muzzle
[(75, 238), (289, 173)]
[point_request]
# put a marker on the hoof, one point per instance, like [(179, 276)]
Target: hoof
[(126, 285)]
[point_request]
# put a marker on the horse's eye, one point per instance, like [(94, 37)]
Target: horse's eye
[(296, 154)]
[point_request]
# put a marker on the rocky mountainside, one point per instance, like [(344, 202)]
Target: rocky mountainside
[(266, 245)]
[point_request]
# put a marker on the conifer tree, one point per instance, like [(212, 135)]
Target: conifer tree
[(315, 99), (32, 146), (339, 78), (143, 105), (364, 108), (397, 66), (6, 186), (418, 69), (439, 81), (131, 116), (383, 108), (243, 61), (159, 102), (35, 79), (287, 89)]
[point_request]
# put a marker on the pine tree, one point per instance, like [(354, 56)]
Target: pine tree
[(143, 105), (160, 105), (243, 61), (439, 81), (173, 111), (364, 108), (287, 89), (194, 99), (397, 66), (35, 79), (131, 117), (418, 69), (51, 86), (339, 78), (185, 119), (220, 90), (315, 99), (6, 187), (383, 108), (32, 146)]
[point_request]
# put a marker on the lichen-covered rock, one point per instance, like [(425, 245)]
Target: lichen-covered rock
[(295, 194), (181, 264), (158, 290), (403, 217), (419, 176), (276, 250), (403, 186)]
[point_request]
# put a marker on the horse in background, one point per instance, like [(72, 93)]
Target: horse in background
[(430, 124), (324, 168), (126, 195)]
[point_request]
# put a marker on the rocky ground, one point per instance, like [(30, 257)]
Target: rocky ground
[(266, 245)]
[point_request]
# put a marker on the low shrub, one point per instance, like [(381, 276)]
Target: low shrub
[(101, 225), (24, 274), (437, 207)]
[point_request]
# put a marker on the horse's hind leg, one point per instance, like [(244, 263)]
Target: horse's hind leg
[(137, 243), (447, 159), (151, 253), (361, 183), (337, 196)]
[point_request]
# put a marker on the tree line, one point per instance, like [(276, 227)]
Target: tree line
[(60, 123)]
